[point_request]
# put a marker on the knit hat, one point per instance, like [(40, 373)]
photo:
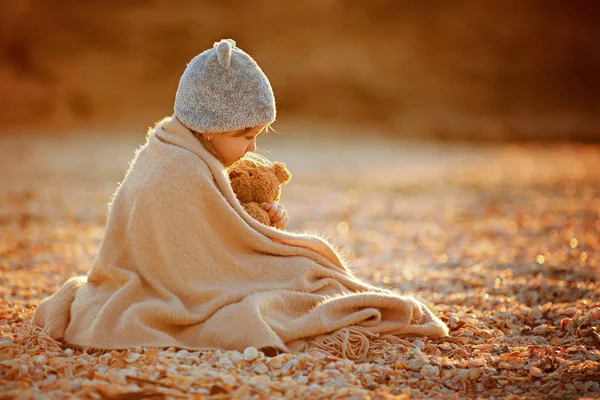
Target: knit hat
[(223, 89)]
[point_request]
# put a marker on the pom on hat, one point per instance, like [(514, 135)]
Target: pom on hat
[(224, 48)]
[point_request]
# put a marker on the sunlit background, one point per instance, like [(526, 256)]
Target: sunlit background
[(435, 69)]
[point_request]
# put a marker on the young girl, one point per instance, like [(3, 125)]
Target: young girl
[(182, 264), (228, 128)]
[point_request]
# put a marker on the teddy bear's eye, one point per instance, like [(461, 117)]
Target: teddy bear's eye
[(250, 173)]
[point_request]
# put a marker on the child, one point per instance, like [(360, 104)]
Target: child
[(181, 264), (245, 107)]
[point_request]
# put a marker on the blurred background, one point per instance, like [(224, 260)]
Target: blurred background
[(464, 70)]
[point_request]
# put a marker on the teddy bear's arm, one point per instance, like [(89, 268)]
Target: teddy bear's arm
[(257, 212)]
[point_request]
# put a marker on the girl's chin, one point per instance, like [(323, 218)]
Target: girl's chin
[(229, 163)]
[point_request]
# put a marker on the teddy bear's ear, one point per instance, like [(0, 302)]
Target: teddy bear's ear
[(282, 173)]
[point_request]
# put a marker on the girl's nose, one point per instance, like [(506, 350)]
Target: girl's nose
[(252, 146)]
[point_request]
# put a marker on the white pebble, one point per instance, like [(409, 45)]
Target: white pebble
[(429, 370), (250, 353), (536, 313), (39, 359), (416, 364), (261, 368), (314, 388), (290, 364), (182, 353), (226, 362), (237, 357), (419, 343)]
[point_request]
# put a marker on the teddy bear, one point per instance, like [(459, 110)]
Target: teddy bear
[(254, 183)]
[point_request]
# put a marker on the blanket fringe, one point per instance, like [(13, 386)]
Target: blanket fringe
[(37, 339), (355, 343)]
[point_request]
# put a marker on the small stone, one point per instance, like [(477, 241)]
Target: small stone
[(564, 322), (118, 363), (39, 359), (401, 365), (289, 365), (226, 362), (314, 388), (182, 353), (416, 364), (484, 333), (535, 372), (536, 313), (594, 314), (419, 344), (429, 370), (237, 357), (250, 354), (261, 368), (474, 373)]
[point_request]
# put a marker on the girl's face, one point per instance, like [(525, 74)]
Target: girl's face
[(231, 146)]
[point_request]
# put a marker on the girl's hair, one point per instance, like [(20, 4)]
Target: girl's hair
[(252, 156)]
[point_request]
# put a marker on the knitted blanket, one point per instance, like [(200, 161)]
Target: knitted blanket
[(181, 264)]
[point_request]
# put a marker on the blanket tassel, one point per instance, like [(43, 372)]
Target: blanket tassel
[(354, 343)]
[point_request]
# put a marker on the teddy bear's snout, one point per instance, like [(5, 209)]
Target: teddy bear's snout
[(237, 174)]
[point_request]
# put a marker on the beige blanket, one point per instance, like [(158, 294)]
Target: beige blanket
[(181, 264)]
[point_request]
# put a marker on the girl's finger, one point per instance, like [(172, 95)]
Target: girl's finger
[(273, 210), (279, 215), (284, 217), (281, 224), (285, 222)]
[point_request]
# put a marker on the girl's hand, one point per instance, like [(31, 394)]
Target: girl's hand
[(277, 213)]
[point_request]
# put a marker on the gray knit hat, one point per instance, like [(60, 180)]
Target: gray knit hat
[(223, 89)]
